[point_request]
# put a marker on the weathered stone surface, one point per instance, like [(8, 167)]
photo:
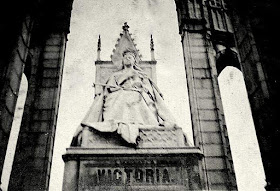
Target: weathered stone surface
[(51, 55), (50, 63), (161, 138), (137, 169), (207, 114), (156, 137), (33, 180), (213, 163), (197, 42), (40, 151), (40, 126), (219, 187), (36, 135), (209, 126), (52, 48), (203, 83), (6, 121), (10, 100), (50, 83), (15, 80), (199, 55), (213, 150), (206, 104), (205, 93), (54, 40), (217, 177), (51, 73), (212, 138), (70, 178), (42, 114), (201, 73), (200, 64)]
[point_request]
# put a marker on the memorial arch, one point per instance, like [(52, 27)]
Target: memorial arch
[(41, 29)]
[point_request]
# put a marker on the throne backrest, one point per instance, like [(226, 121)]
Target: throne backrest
[(104, 69)]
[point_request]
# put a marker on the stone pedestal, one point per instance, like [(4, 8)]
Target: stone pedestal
[(132, 169), (160, 161)]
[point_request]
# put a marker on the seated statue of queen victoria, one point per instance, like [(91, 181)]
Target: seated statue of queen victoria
[(129, 100)]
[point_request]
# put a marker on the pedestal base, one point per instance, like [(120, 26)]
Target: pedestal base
[(118, 169), (161, 160)]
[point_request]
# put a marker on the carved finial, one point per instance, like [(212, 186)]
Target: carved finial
[(152, 43), (152, 48), (98, 47), (125, 26), (99, 43)]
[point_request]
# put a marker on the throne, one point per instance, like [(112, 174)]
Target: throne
[(161, 159)]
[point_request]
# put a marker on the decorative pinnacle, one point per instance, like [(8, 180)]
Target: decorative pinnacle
[(99, 44), (125, 26), (98, 48), (152, 49), (152, 43)]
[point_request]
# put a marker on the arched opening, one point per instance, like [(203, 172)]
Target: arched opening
[(226, 57), (11, 148), (144, 18), (241, 131)]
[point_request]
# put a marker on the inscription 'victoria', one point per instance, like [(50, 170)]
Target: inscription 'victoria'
[(120, 176)]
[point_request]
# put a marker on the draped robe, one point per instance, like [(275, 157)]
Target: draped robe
[(125, 105)]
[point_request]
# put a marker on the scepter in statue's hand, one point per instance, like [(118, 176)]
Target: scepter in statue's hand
[(114, 88)]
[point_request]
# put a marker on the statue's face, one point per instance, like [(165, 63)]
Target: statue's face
[(128, 59)]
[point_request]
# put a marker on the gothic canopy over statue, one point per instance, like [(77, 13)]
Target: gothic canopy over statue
[(130, 99)]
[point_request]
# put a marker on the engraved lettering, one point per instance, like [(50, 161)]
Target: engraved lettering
[(149, 176), (165, 177), (117, 175), (139, 175), (128, 171), (101, 175)]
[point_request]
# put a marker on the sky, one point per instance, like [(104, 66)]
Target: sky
[(145, 17)]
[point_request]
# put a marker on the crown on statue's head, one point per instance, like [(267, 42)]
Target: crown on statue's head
[(130, 51)]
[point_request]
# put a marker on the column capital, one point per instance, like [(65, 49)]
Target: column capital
[(192, 25)]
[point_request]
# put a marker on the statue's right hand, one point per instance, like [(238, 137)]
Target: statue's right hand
[(113, 89)]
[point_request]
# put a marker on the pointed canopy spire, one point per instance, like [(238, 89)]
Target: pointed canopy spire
[(124, 43)]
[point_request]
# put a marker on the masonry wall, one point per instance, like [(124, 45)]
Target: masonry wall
[(209, 128), (36, 46), (11, 78), (258, 42), (35, 142), (206, 110)]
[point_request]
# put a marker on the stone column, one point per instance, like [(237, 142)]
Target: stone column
[(209, 128), (35, 143), (33, 158), (11, 83), (206, 111)]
